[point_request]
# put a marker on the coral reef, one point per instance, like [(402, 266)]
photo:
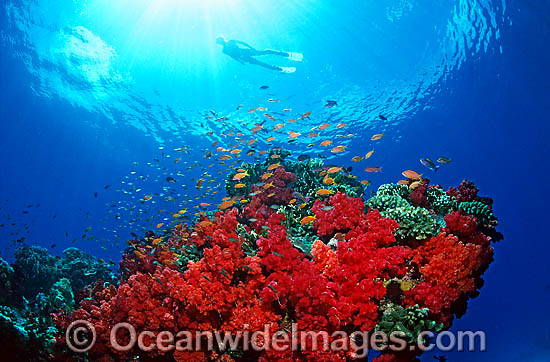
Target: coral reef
[(294, 243)]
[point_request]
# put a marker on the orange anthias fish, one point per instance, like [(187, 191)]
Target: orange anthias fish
[(357, 158), (411, 175), (273, 100), (273, 166), (226, 204), (256, 129), (377, 136), (293, 134), (324, 192), (313, 134), (240, 176), (369, 154), (326, 143), (328, 181), (224, 157), (324, 126), (269, 116), (261, 109), (235, 151), (334, 169), (305, 115), (373, 169), (269, 139), (278, 126), (341, 125), (403, 182), (307, 220), (338, 149), (291, 121), (252, 110), (146, 198)]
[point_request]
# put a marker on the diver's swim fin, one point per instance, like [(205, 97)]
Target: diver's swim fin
[(288, 69), (297, 57)]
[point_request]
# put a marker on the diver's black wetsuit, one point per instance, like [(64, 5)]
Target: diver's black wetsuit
[(246, 55)]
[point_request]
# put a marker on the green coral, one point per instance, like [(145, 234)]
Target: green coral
[(301, 236), (401, 191), (414, 222), (310, 180), (482, 212), (189, 253), (411, 321), (61, 295), (440, 202)]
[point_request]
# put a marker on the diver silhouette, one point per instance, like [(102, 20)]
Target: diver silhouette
[(244, 53)]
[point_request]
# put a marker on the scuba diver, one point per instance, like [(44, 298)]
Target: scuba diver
[(244, 53)]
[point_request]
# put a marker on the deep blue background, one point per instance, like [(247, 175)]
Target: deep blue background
[(490, 117)]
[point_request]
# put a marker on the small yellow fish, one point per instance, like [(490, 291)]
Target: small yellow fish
[(301, 206), (369, 154), (267, 175), (240, 186), (204, 204), (293, 134), (365, 182), (377, 136), (324, 126), (403, 182), (341, 125), (278, 126), (334, 169), (269, 139), (159, 225), (328, 181), (326, 143), (273, 166)]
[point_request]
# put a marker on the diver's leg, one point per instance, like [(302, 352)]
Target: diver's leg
[(262, 64)]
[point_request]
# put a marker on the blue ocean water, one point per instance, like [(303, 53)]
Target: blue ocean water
[(95, 92)]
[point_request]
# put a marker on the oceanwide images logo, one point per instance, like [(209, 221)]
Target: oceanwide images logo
[(81, 336)]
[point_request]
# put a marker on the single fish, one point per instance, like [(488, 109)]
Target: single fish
[(411, 175), (307, 220), (444, 160), (330, 104), (373, 169), (426, 162)]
